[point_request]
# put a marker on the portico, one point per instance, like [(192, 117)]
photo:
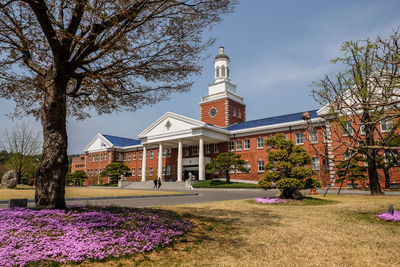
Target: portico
[(177, 131)]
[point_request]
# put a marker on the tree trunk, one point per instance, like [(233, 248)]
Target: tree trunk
[(387, 177), (53, 166), (374, 185), (227, 176)]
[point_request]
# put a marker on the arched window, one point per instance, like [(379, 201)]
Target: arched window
[(217, 72), (223, 71)]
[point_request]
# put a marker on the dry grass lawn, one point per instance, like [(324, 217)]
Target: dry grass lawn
[(243, 233), (78, 192)]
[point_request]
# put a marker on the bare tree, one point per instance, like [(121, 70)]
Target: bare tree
[(362, 102), (64, 57), (23, 145)]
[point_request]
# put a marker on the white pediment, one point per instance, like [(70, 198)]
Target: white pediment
[(99, 142), (171, 123)]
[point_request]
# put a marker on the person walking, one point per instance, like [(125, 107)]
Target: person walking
[(159, 182), (155, 184)]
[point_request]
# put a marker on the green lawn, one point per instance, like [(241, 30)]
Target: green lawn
[(223, 184)]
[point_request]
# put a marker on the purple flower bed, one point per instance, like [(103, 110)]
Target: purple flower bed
[(389, 217), (84, 233), (273, 200)]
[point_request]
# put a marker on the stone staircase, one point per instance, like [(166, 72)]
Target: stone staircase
[(150, 185)]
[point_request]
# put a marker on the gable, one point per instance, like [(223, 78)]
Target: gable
[(98, 144), (171, 123)]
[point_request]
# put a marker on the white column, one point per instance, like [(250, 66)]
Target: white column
[(144, 164), (179, 177), (160, 161), (201, 160)]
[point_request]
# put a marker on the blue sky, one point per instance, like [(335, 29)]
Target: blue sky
[(277, 48)]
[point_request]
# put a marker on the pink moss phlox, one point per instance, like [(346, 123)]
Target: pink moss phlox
[(83, 233), (389, 217), (273, 200)]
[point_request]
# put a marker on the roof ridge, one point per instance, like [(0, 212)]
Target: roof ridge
[(118, 136)]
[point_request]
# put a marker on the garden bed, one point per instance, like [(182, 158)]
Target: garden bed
[(81, 233)]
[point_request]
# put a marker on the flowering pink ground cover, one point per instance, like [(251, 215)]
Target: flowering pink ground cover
[(84, 233), (389, 217), (273, 200)]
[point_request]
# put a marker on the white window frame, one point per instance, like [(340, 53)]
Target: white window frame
[(349, 127), (258, 142), (216, 148), (325, 134), (299, 138), (231, 146), (239, 114), (133, 172), (260, 166), (169, 152), (246, 144), (313, 136), (347, 155), (362, 129), (141, 155), (208, 149), (388, 124), (151, 171), (101, 156), (234, 112), (195, 150), (239, 145), (151, 154), (315, 163), (140, 171), (134, 155), (247, 165), (186, 151)]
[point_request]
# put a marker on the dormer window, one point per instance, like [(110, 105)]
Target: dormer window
[(223, 71), (217, 72)]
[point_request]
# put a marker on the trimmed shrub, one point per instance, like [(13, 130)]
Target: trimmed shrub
[(289, 187), (311, 183)]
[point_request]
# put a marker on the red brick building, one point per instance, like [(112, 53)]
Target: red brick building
[(187, 144)]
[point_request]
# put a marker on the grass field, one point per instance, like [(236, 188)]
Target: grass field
[(78, 192), (340, 231), (223, 184)]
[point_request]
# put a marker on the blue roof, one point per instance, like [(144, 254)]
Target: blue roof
[(121, 141), (271, 121)]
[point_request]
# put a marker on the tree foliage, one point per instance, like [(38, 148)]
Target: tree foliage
[(66, 57), (224, 163), (76, 178), (285, 169), (366, 93), (352, 170), (114, 171)]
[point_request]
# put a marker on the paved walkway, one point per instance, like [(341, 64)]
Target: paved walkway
[(204, 195), (197, 196)]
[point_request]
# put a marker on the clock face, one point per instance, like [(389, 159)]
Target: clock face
[(213, 112)]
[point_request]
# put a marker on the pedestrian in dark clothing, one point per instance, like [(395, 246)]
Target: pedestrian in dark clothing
[(155, 184), (159, 182)]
